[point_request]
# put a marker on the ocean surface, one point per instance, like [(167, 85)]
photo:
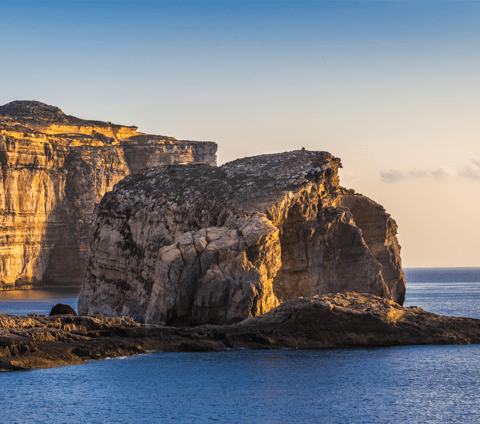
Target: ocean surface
[(412, 384), (41, 301)]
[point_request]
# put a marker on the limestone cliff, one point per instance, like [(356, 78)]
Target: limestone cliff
[(54, 169), (196, 244)]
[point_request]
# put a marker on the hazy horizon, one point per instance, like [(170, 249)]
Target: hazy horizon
[(392, 88)]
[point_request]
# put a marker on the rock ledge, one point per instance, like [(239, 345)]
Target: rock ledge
[(331, 321)]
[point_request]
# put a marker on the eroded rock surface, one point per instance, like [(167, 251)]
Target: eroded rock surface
[(379, 232), (329, 321), (54, 169), (196, 244)]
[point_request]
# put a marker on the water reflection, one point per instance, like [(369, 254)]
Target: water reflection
[(37, 301), (57, 293)]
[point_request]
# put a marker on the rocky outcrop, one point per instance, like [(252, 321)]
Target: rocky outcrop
[(54, 169), (62, 309), (196, 244), (330, 321)]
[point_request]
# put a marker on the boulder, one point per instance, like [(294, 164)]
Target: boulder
[(62, 309)]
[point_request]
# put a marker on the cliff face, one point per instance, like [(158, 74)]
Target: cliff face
[(379, 231), (198, 245), (54, 169)]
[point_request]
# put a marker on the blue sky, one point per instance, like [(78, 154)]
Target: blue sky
[(393, 88)]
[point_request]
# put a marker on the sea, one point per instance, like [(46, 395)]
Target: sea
[(410, 384)]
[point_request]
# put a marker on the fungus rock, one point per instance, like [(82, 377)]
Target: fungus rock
[(196, 244)]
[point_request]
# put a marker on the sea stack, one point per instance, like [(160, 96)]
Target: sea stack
[(54, 169), (198, 244)]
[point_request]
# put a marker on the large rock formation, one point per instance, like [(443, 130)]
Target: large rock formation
[(195, 244), (54, 169), (330, 321)]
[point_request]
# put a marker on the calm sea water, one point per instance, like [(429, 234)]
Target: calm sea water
[(444, 291), (24, 302), (413, 384)]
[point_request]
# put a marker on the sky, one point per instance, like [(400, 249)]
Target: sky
[(392, 88)]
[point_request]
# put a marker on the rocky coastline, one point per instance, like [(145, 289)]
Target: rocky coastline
[(347, 320), (265, 252)]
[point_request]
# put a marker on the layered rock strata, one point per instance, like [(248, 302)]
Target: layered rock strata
[(330, 321), (195, 244), (54, 169)]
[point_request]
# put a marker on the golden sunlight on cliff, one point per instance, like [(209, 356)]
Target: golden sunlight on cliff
[(54, 169)]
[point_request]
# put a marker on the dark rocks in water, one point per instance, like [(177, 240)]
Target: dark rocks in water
[(330, 321), (62, 309), (196, 244)]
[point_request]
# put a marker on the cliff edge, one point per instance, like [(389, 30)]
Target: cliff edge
[(54, 169), (193, 245)]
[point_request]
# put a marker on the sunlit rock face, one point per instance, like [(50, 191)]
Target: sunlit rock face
[(195, 244), (54, 169)]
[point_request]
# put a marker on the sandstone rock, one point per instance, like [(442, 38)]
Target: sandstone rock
[(54, 169), (62, 309), (196, 245), (329, 321)]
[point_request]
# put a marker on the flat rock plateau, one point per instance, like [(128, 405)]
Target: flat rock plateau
[(329, 321), (54, 169)]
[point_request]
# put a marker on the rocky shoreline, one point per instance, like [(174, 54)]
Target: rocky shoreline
[(319, 322)]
